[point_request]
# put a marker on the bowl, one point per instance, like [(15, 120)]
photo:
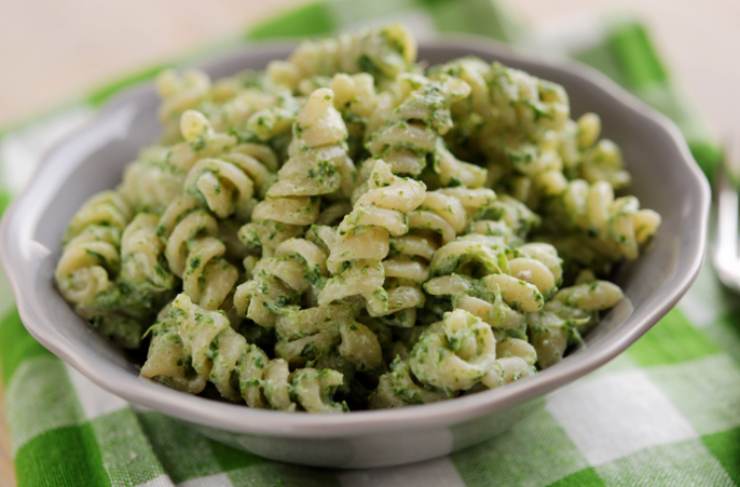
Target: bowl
[(665, 178)]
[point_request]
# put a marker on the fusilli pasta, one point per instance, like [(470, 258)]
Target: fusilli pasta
[(352, 229)]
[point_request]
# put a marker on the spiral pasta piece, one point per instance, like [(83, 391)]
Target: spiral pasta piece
[(538, 265), (158, 175), (89, 273), (88, 264), (318, 165), (563, 319), (413, 131), (495, 282), (363, 242), (280, 281), (233, 100), (512, 299), (614, 227), (399, 387), (590, 158), (477, 298), (356, 99), (471, 254), (247, 104), (196, 345), (180, 92), (104, 209), (516, 120), (593, 296), (276, 119), (195, 254), (547, 255), (443, 214), (311, 334), (383, 52), (152, 181), (450, 357), (455, 353), (506, 217), (315, 335), (509, 98), (227, 182), (90, 259), (144, 271), (354, 94), (515, 360)]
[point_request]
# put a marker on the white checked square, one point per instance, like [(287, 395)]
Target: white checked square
[(433, 473), (95, 401), (611, 416), (161, 481), (215, 480)]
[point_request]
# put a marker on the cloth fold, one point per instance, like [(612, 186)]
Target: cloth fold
[(666, 412)]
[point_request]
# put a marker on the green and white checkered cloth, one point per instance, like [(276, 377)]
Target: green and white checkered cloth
[(666, 412)]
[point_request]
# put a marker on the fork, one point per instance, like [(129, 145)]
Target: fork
[(727, 185)]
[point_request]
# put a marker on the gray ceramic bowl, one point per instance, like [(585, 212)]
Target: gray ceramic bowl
[(665, 179)]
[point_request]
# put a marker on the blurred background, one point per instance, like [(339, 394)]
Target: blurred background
[(57, 50)]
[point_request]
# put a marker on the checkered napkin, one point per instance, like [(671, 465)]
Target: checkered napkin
[(666, 412)]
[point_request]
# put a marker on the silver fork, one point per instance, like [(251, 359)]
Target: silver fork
[(727, 185)]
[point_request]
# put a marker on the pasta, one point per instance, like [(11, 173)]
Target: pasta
[(191, 337), (317, 165), (144, 271), (383, 53), (90, 259), (363, 241), (351, 229), (195, 254)]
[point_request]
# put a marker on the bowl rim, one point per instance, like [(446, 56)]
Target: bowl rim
[(241, 419)]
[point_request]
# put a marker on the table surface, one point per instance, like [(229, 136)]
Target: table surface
[(65, 54)]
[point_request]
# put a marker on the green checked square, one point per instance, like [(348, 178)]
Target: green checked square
[(683, 463), (186, 456), (705, 391), (588, 477), (125, 451), (281, 475), (40, 398), (24, 347), (184, 453), (673, 339), (725, 446), (66, 456), (535, 451)]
